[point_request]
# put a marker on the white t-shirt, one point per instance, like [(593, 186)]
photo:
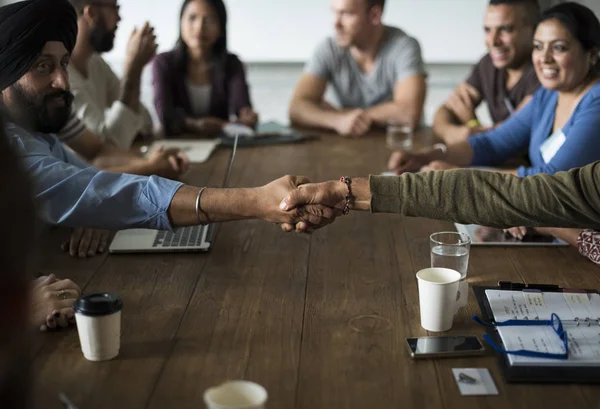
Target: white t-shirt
[(97, 104), (199, 98)]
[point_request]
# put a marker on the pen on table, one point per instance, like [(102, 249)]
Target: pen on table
[(66, 401)]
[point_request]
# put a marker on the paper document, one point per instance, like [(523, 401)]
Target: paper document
[(197, 150), (584, 340)]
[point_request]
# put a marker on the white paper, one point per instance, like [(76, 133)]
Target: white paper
[(584, 341), (535, 299), (484, 384), (197, 150)]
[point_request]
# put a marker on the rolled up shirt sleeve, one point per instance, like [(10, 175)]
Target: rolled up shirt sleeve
[(102, 111), (71, 193)]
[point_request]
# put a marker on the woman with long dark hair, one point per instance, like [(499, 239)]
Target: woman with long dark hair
[(559, 127), (199, 86)]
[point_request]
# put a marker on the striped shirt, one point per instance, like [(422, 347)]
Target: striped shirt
[(71, 130)]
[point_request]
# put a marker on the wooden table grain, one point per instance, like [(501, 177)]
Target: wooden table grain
[(319, 321)]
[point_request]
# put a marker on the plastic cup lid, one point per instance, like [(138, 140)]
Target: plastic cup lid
[(98, 304)]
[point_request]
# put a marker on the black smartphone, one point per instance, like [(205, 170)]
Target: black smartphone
[(444, 347)]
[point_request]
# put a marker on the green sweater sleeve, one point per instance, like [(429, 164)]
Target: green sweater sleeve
[(565, 199)]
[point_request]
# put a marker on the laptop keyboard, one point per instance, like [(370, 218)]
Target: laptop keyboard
[(182, 237)]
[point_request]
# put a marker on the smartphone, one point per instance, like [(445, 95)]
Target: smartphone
[(444, 347)]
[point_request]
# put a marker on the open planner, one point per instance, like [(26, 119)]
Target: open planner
[(579, 311), (571, 308)]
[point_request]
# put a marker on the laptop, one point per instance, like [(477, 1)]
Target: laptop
[(190, 239), (489, 236)]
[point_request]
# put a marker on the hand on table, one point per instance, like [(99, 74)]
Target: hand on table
[(169, 163), (52, 301), (521, 231), (438, 165), (354, 123), (248, 117), (86, 242), (401, 162)]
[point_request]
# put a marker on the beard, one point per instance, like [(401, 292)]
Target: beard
[(102, 39), (35, 112)]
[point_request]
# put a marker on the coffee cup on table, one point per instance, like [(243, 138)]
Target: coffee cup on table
[(438, 297), (236, 395), (98, 318)]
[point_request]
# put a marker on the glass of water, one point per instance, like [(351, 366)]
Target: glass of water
[(450, 250), (399, 135)]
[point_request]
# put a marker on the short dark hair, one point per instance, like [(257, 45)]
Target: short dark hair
[(532, 9), (373, 3), (581, 22)]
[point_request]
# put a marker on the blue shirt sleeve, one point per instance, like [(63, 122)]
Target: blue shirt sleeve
[(495, 146), (581, 146), (74, 194)]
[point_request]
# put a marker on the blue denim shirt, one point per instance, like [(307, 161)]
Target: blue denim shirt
[(532, 125), (72, 193)]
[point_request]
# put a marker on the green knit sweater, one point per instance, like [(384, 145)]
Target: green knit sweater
[(566, 199)]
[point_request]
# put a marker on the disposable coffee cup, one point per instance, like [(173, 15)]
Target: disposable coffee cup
[(236, 395), (438, 297), (98, 319)]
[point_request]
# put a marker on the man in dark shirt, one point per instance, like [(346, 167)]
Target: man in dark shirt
[(504, 78), (15, 250)]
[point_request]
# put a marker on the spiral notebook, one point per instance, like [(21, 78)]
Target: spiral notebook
[(579, 313)]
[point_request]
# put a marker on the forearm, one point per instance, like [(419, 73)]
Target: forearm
[(382, 113), (209, 126), (137, 166), (309, 113), (566, 199), (447, 127), (568, 235), (130, 88), (216, 205), (459, 153), (115, 159)]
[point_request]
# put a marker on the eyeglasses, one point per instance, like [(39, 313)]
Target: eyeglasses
[(554, 322)]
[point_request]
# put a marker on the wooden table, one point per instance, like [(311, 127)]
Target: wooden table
[(319, 320)]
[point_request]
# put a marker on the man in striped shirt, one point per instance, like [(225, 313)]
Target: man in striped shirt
[(169, 163)]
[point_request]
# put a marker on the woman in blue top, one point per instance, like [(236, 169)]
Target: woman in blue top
[(561, 124)]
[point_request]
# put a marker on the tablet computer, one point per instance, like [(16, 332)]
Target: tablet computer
[(489, 236)]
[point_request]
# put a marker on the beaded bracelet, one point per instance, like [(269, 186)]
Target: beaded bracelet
[(348, 182), (199, 210)]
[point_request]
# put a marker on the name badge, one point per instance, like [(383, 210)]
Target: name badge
[(551, 145)]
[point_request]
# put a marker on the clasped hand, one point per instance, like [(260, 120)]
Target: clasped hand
[(301, 206)]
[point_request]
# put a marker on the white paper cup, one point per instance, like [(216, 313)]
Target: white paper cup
[(438, 290), (236, 395), (98, 319)]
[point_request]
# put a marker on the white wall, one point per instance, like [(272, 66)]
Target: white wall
[(287, 30)]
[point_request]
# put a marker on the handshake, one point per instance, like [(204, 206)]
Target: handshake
[(301, 206)]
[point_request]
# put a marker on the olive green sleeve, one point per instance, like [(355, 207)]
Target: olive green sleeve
[(566, 199)]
